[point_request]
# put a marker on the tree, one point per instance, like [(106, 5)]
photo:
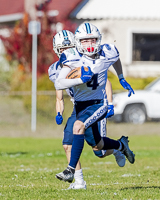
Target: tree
[(19, 44)]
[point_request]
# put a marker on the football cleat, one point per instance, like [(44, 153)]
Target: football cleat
[(66, 175), (120, 158), (126, 150), (77, 186)]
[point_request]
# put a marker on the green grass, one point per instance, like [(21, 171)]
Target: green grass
[(29, 165)]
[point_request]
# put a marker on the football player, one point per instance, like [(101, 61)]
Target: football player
[(90, 98), (62, 41)]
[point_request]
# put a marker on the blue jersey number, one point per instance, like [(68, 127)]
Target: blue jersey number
[(94, 82)]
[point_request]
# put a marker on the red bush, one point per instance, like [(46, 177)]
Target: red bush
[(19, 44)]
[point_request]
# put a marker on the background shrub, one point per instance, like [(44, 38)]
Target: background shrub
[(136, 83), (20, 81)]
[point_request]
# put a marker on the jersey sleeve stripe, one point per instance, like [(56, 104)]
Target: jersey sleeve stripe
[(52, 75), (113, 57), (70, 61)]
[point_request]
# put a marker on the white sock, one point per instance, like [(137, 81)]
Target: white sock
[(78, 176)]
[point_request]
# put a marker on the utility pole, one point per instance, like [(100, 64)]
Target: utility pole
[(34, 28)]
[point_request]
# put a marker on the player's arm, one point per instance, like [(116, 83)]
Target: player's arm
[(108, 88), (59, 101), (118, 68), (109, 91), (63, 83), (59, 106)]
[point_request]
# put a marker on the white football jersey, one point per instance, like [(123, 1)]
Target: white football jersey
[(53, 73), (95, 89)]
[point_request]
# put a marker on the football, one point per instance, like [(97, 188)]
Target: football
[(75, 73)]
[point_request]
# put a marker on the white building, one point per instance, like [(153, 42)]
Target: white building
[(133, 26)]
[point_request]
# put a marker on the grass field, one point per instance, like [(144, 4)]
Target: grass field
[(30, 160), (29, 165)]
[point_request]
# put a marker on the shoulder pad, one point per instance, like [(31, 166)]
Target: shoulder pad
[(54, 68), (69, 56), (110, 51), (110, 48)]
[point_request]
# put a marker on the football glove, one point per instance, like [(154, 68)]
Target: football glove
[(86, 75), (110, 112), (126, 86), (59, 119)]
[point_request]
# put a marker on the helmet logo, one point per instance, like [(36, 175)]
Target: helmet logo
[(66, 42)]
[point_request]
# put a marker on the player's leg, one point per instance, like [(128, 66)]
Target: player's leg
[(77, 146), (119, 156), (105, 143), (78, 176), (67, 145), (121, 145), (87, 114), (101, 128)]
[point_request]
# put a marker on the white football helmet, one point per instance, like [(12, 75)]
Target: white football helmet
[(85, 31), (63, 39)]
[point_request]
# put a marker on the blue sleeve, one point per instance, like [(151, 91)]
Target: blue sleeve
[(62, 58)]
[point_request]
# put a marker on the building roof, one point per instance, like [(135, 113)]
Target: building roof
[(8, 8), (118, 9), (64, 7), (10, 11)]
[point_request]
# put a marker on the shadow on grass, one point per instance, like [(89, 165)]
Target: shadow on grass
[(141, 187), (13, 153)]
